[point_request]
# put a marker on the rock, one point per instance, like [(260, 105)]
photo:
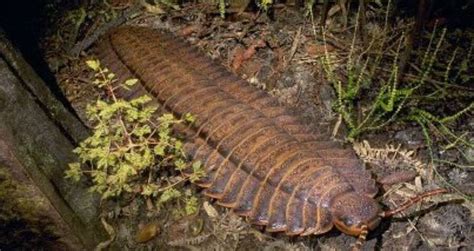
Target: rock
[(447, 226)]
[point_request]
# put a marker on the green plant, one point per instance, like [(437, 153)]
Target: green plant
[(264, 4), (359, 77), (222, 8), (363, 77), (370, 96), (130, 149)]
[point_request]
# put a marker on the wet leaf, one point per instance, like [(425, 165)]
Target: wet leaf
[(147, 232)]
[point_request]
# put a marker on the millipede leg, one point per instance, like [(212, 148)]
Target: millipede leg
[(361, 239)]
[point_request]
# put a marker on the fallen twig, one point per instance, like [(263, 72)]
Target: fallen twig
[(294, 47)]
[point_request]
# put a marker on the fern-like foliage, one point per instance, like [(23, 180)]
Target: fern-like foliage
[(130, 148)]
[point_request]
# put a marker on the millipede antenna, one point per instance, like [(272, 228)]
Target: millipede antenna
[(412, 201)]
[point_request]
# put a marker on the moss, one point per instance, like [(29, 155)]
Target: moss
[(22, 225)]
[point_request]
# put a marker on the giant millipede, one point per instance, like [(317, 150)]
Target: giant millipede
[(260, 159)]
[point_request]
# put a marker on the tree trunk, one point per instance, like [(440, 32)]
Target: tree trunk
[(37, 136)]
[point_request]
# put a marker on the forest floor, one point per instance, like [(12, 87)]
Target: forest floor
[(284, 54)]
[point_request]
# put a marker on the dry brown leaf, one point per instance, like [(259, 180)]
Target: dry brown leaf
[(242, 55)]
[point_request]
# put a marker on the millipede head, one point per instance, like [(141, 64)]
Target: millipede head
[(355, 214), (357, 218)]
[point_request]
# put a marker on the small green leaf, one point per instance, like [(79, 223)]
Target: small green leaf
[(197, 165), (191, 206), (189, 118), (180, 164), (178, 145), (74, 172), (159, 150), (93, 64), (167, 117), (198, 171), (150, 189), (131, 82), (168, 195)]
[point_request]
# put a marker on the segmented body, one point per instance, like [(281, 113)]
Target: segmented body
[(260, 159)]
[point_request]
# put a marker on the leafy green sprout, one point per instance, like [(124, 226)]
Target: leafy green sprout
[(130, 147)]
